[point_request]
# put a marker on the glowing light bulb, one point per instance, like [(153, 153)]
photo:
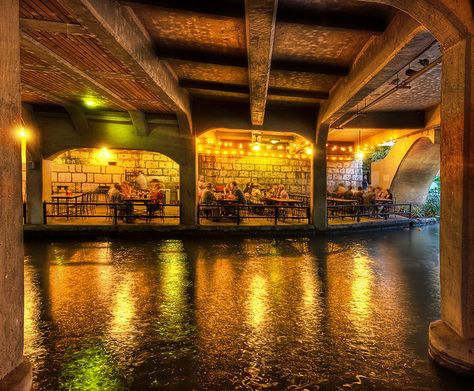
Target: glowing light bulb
[(256, 147), (309, 151)]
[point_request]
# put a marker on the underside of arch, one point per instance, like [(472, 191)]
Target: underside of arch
[(416, 172)]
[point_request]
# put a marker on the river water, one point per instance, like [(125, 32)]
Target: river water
[(326, 313)]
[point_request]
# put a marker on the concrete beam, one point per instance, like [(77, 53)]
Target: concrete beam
[(52, 27), (244, 89), (377, 63), (260, 21), (433, 117), (205, 57), (76, 112), (235, 115), (139, 122), (121, 33), (389, 120)]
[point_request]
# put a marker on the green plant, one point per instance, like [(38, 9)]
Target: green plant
[(379, 153)]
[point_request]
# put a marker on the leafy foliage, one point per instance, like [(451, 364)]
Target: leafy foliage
[(379, 153)]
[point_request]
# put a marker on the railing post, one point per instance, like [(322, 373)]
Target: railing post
[(409, 210), (276, 215), (115, 214), (308, 214), (238, 214), (45, 216)]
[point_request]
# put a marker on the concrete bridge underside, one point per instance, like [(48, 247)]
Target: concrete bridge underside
[(132, 59)]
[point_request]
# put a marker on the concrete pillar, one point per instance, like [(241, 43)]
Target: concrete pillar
[(451, 339), (34, 174), (14, 374), (318, 180), (188, 183)]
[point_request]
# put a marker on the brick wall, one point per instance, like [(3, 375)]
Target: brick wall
[(85, 169), (347, 172)]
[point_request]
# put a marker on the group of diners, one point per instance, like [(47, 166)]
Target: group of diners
[(124, 194), (251, 194), (370, 196)]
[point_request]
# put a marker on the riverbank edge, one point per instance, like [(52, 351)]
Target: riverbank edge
[(74, 231)]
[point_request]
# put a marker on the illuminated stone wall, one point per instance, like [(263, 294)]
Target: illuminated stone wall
[(347, 172), (295, 174), (85, 169)]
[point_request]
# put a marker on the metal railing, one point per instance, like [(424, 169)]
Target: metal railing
[(112, 212), (370, 211), (245, 213)]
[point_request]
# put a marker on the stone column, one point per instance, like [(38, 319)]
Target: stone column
[(319, 181), (34, 175), (14, 375), (188, 183), (451, 339)]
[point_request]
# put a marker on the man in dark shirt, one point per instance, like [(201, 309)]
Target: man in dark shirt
[(237, 193)]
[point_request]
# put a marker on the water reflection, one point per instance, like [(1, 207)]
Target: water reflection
[(346, 312)]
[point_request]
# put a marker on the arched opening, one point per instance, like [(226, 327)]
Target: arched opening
[(416, 172), (260, 162), (82, 170), (88, 175)]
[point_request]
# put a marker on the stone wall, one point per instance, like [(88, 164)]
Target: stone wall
[(347, 172), (295, 174), (85, 169)]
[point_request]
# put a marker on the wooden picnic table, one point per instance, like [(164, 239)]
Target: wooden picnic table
[(341, 200), (284, 200)]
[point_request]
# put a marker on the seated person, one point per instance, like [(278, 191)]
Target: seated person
[(126, 189), (387, 195), (248, 188), (237, 193), (282, 193), (340, 190), (359, 195), (208, 198), (348, 195), (255, 194), (157, 197), (115, 191)]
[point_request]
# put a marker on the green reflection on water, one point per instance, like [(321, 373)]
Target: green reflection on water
[(88, 370)]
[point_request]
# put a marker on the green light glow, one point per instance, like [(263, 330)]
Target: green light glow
[(90, 369), (90, 103)]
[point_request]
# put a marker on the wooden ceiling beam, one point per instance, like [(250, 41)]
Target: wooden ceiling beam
[(260, 21), (119, 30)]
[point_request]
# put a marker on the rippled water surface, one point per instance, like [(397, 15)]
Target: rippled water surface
[(334, 313)]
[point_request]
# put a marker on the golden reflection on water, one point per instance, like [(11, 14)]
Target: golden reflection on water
[(34, 341), (174, 280), (362, 288), (257, 301), (123, 308)]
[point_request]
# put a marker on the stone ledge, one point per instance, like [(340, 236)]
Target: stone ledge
[(20, 379), (450, 350), (38, 231)]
